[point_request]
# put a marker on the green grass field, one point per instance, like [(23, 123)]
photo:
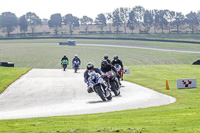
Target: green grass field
[(148, 68), (182, 116), (47, 53)]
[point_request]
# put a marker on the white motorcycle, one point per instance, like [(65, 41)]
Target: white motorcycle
[(98, 85)]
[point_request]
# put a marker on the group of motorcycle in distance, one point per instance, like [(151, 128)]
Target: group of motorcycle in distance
[(98, 82), (75, 65)]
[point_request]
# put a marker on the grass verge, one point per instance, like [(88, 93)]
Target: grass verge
[(9, 75), (182, 116)]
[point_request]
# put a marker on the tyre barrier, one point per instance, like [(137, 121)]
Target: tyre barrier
[(7, 64), (196, 62)]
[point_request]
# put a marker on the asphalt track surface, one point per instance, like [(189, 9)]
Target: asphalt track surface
[(54, 92)]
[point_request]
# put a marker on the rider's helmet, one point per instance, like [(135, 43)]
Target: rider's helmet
[(105, 56), (75, 56), (90, 66), (104, 64), (65, 55), (115, 57)]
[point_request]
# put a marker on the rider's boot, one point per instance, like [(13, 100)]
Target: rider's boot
[(90, 90)]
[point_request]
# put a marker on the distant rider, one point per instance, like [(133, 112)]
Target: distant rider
[(64, 58), (115, 61), (76, 58), (106, 67), (90, 68), (106, 58)]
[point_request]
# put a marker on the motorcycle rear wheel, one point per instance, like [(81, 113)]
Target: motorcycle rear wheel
[(64, 67)]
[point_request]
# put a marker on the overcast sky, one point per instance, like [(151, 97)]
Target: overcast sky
[(91, 8)]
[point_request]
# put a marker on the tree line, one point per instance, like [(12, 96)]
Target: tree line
[(131, 18)]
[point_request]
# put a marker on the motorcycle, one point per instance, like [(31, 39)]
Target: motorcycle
[(76, 66), (119, 70), (64, 64), (114, 83), (98, 85)]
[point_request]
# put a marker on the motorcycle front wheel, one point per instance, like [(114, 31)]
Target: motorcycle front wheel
[(101, 94), (114, 88), (75, 69), (64, 67), (109, 97)]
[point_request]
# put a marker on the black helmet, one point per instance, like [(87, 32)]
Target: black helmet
[(115, 57), (90, 66), (104, 64), (105, 56)]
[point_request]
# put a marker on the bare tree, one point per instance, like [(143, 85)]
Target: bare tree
[(55, 22), (179, 20), (23, 24), (71, 21), (8, 22), (131, 21), (100, 21), (139, 13), (109, 18), (170, 18), (117, 22), (33, 20), (148, 20), (124, 15), (192, 20), (86, 21)]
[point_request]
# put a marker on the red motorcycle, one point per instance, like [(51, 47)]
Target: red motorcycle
[(119, 70), (114, 82)]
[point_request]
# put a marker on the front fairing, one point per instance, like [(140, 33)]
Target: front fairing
[(95, 80), (117, 67), (76, 63), (111, 76), (64, 62), (93, 77)]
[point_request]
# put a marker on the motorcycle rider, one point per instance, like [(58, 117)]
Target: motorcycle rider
[(90, 68), (64, 58), (106, 67), (115, 61), (76, 58), (106, 58)]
